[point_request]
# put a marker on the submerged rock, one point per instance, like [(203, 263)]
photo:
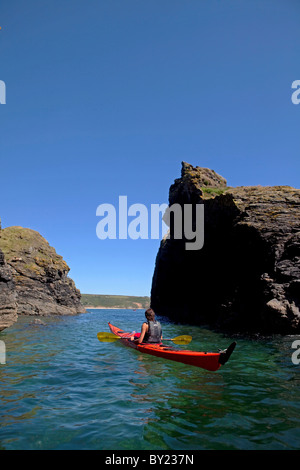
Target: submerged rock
[(247, 276), (36, 275)]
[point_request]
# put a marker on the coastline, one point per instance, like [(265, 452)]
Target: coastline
[(112, 308)]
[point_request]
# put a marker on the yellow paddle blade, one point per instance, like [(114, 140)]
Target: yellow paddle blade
[(107, 337), (184, 339)]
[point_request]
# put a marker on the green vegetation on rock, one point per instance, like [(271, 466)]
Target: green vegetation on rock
[(29, 253), (212, 191)]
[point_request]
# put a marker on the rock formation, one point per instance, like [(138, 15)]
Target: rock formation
[(8, 306), (246, 277), (33, 278)]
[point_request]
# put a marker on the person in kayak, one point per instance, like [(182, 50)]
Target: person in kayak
[(151, 330)]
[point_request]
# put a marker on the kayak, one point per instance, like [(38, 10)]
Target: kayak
[(211, 361)]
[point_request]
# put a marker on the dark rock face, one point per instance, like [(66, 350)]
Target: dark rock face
[(35, 275), (246, 278), (8, 306)]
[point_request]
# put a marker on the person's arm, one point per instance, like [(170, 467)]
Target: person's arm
[(143, 332), (142, 335)]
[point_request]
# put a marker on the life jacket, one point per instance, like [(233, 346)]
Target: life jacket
[(154, 332)]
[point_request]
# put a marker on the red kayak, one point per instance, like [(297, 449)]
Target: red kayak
[(206, 360)]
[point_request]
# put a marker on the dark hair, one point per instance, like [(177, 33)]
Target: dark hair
[(150, 315)]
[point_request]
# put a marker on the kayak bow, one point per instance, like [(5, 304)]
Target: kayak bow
[(206, 360)]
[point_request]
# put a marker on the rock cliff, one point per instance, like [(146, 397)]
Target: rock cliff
[(246, 277), (33, 278), (8, 306)]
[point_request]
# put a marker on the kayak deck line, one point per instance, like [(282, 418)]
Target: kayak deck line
[(206, 360)]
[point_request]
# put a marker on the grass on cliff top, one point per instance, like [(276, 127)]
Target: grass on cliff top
[(110, 301), (30, 246), (209, 191)]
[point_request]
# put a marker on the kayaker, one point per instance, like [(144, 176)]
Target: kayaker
[(151, 330)]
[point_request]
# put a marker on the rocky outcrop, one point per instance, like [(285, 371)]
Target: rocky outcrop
[(36, 275), (8, 306), (246, 277)]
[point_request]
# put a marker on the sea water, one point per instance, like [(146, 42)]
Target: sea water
[(60, 388)]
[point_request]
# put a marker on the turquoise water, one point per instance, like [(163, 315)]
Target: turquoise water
[(62, 389)]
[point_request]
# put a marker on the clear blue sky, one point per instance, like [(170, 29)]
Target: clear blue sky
[(107, 97)]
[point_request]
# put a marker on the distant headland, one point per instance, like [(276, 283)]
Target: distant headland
[(114, 301)]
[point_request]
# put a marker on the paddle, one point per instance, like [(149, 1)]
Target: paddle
[(183, 339), (110, 337)]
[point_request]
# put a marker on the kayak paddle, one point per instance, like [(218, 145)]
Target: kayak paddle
[(184, 339), (110, 337), (107, 337)]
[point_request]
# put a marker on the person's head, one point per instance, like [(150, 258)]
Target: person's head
[(150, 315)]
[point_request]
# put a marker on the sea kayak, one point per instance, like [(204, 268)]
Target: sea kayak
[(206, 360)]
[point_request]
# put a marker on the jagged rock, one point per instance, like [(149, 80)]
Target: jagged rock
[(246, 277), (188, 188), (39, 274)]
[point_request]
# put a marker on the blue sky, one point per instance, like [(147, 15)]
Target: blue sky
[(107, 97)]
